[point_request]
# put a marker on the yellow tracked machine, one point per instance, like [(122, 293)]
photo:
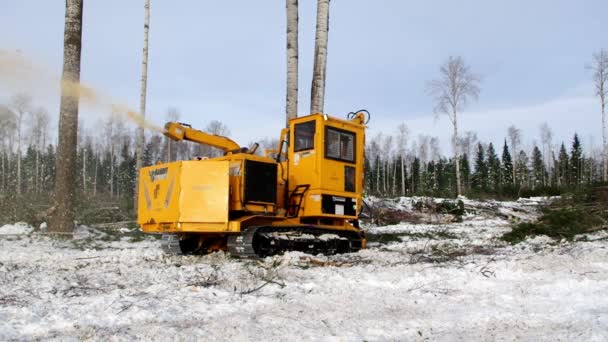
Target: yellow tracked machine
[(303, 196)]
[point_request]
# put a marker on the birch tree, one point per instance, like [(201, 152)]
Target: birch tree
[(317, 92), (172, 116), (38, 133), (291, 108), (21, 104), (7, 130), (452, 91), (514, 135), (65, 177), (599, 66), (142, 102), (403, 133), (546, 135)]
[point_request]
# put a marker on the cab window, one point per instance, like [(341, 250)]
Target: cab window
[(304, 136), (339, 144)]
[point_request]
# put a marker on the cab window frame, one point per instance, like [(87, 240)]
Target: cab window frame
[(302, 125), (341, 132)]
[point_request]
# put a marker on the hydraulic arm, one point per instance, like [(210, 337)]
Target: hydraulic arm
[(179, 131)]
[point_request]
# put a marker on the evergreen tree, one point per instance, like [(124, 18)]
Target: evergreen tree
[(465, 172), (522, 171), (415, 179), (576, 161), (442, 183), (48, 165), (563, 167), (430, 182), (494, 170), (538, 168), (28, 173), (480, 177), (507, 167), (126, 176), (398, 180)]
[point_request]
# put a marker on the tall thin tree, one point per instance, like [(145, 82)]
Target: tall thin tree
[(21, 103), (452, 91), (65, 178), (291, 108), (142, 102), (317, 92), (599, 66), (545, 136), (514, 134)]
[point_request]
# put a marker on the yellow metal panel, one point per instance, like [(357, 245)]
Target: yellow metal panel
[(159, 187), (204, 192)]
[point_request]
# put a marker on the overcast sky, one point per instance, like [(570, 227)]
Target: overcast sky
[(225, 60)]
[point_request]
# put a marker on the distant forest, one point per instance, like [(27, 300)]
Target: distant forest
[(393, 166)]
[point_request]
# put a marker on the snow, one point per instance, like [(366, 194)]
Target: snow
[(17, 228), (450, 281)]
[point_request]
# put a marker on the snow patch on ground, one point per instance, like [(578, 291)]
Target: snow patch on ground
[(14, 229), (444, 282)]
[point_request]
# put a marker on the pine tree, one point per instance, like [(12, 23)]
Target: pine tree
[(415, 179), (576, 161), (126, 176), (494, 170), (480, 177), (430, 182), (465, 172), (507, 167), (398, 177), (63, 217), (538, 168), (563, 167)]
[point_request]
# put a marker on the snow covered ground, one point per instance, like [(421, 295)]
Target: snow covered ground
[(416, 282)]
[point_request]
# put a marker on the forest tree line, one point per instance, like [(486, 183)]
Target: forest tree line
[(105, 157), (393, 166), (393, 169)]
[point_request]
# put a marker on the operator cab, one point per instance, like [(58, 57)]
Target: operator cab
[(326, 165)]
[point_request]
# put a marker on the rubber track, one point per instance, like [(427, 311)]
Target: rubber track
[(259, 241)]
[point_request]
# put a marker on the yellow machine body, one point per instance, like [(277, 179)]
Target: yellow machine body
[(316, 180)]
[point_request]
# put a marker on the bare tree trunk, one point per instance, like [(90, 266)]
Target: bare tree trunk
[(317, 92), (19, 119), (457, 154), (42, 164), (385, 180), (3, 173), (112, 170), (63, 218), (378, 177), (9, 154), (394, 187), (36, 172), (403, 176), (95, 176), (292, 61), (84, 170), (604, 146), (142, 104)]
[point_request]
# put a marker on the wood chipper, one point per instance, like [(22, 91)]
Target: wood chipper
[(303, 196)]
